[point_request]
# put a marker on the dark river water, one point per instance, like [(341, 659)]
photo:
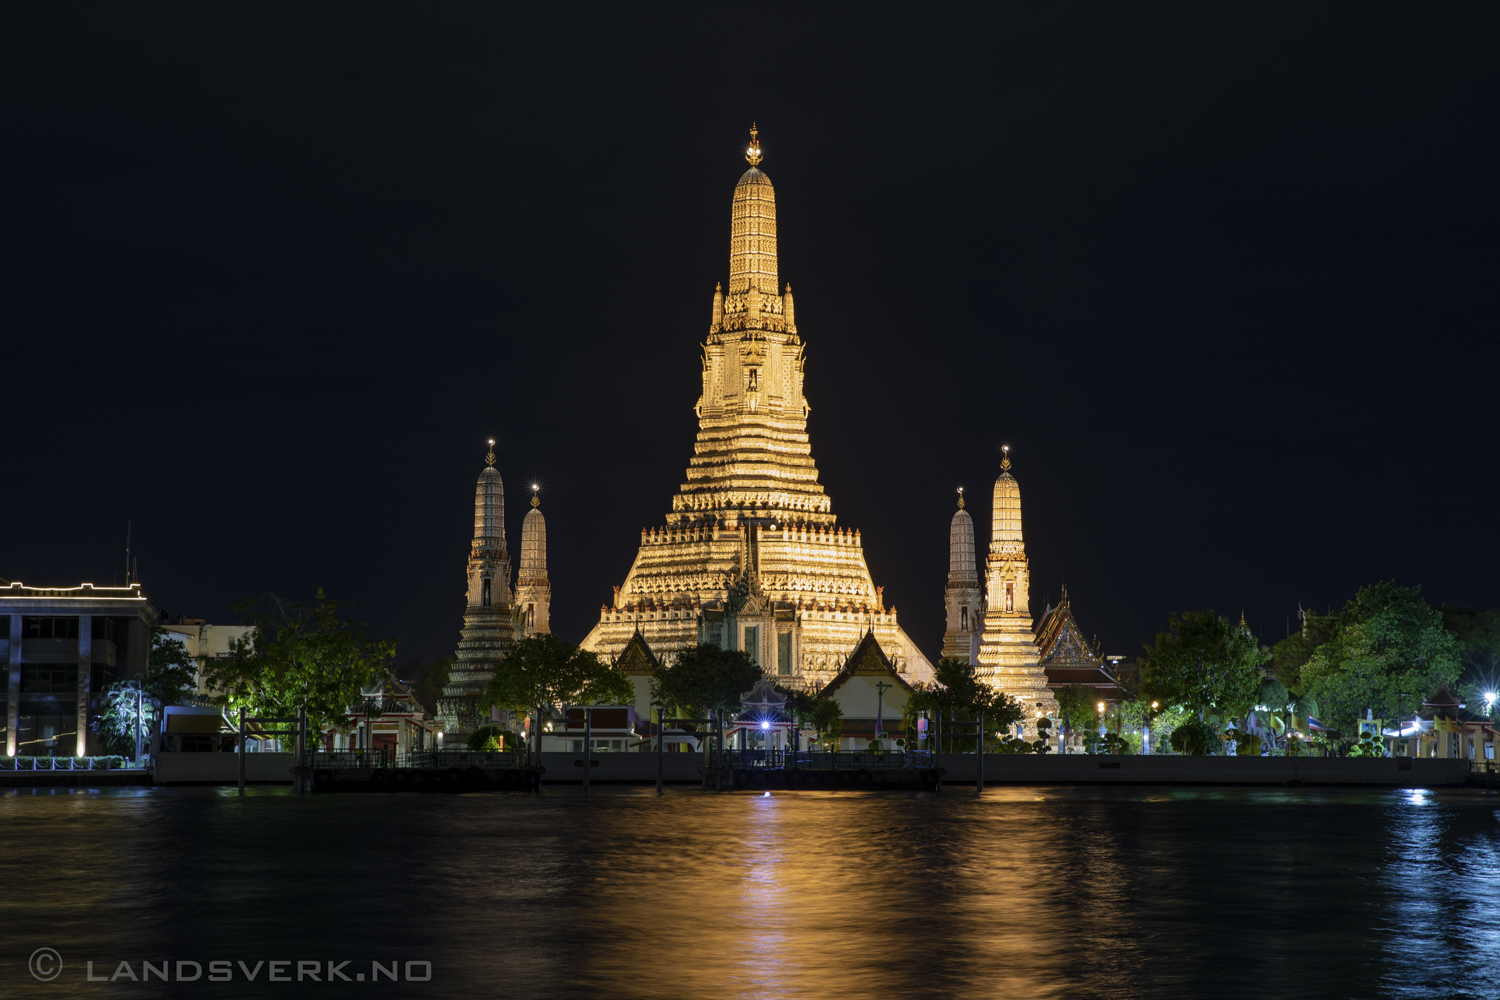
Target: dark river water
[(1024, 893)]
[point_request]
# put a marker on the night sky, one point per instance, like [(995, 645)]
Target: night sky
[(1223, 277)]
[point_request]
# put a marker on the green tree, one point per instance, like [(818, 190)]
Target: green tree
[(1076, 704), (705, 678), (827, 719), (1478, 634), (300, 656), (957, 694), (1290, 655), (1196, 738), (542, 671), (1205, 663), (170, 679), (821, 714), (1387, 641)]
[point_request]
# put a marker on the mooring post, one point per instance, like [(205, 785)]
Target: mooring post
[(937, 749), (661, 739), (707, 742), (979, 785), (588, 747), (300, 783), (242, 750)]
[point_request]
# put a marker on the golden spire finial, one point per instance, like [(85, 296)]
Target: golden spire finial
[(490, 458), (752, 153), (960, 498), (1005, 461), (534, 501)]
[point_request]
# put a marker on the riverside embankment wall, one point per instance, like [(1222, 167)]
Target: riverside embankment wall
[(1048, 769), (960, 769)]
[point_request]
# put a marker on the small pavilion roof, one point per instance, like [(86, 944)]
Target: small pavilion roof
[(868, 659)]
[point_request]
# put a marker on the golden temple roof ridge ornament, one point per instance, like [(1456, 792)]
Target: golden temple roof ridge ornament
[(753, 153), (490, 458), (1005, 461)]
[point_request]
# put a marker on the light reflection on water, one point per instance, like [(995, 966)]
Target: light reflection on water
[(1021, 893)]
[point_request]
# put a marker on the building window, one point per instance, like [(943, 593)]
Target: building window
[(963, 615), (784, 653), (49, 678), (1010, 597), (752, 643), (106, 629), (484, 592), (51, 628)]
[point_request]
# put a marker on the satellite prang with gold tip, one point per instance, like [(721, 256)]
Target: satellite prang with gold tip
[(750, 556), (1007, 656), (963, 600), (489, 626)]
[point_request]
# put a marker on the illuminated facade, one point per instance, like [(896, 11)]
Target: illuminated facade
[(489, 625), (750, 556), (1008, 658), (63, 646)]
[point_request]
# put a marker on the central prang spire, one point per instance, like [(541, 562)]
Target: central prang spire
[(753, 453), (751, 556), (752, 233)]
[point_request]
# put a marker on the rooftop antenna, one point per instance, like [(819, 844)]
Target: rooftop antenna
[(127, 552)]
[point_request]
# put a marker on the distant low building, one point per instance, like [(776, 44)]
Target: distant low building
[(388, 719), (204, 642), (1444, 727), (63, 646)]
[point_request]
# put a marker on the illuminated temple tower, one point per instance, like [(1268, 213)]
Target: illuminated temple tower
[(964, 606), (1008, 653), (489, 629), (533, 591), (751, 556)]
